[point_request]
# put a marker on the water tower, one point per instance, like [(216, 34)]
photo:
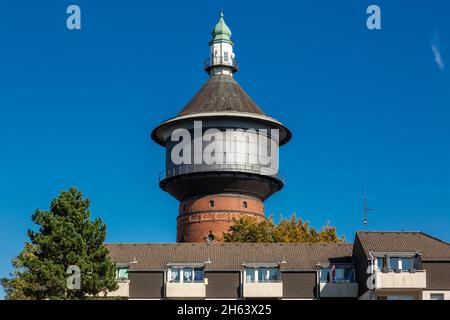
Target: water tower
[(232, 179)]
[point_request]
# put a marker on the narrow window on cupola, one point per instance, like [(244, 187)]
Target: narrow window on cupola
[(244, 204), (211, 203), (225, 55)]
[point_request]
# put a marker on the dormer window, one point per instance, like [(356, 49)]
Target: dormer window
[(262, 274), (185, 275), (337, 274), (397, 263)]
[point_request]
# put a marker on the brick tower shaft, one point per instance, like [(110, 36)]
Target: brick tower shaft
[(206, 218)]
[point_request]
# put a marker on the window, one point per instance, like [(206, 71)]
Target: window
[(341, 275), (244, 204), (186, 275), (380, 263), (261, 275), (211, 203), (400, 297), (344, 275), (394, 263), (122, 273), (397, 263), (407, 264), (210, 237), (225, 56), (324, 276), (174, 275), (199, 275), (437, 296), (250, 275)]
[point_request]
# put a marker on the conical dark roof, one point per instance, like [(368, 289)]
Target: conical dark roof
[(221, 93)]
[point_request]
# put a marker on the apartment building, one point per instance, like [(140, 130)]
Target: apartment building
[(379, 265), (402, 265)]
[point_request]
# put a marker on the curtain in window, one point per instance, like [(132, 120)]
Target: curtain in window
[(188, 275)]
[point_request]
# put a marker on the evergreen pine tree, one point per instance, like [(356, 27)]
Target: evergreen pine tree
[(65, 237)]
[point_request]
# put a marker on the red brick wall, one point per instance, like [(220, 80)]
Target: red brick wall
[(199, 216)]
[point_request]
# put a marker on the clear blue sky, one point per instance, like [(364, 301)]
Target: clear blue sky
[(76, 108)]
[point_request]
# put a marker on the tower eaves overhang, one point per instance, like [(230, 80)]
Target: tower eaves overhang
[(285, 134)]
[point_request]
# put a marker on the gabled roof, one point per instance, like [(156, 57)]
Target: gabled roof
[(430, 248), (221, 93), (228, 256)]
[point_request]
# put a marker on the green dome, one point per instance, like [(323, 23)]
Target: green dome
[(221, 32)]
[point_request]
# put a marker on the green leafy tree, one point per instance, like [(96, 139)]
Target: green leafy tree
[(66, 237), (293, 230)]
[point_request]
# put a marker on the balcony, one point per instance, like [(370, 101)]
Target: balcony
[(231, 167), (273, 289), (339, 290), (401, 280), (122, 291), (193, 290), (220, 62)]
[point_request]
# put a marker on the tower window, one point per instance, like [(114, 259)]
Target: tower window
[(225, 56), (210, 237), (211, 203), (244, 204)]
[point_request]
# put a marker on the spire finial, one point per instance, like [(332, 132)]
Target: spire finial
[(222, 59)]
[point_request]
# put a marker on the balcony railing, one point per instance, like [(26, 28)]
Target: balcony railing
[(186, 290), (401, 280), (232, 167), (221, 61), (339, 290), (263, 289)]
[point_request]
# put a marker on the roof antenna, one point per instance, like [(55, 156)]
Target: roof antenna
[(366, 205)]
